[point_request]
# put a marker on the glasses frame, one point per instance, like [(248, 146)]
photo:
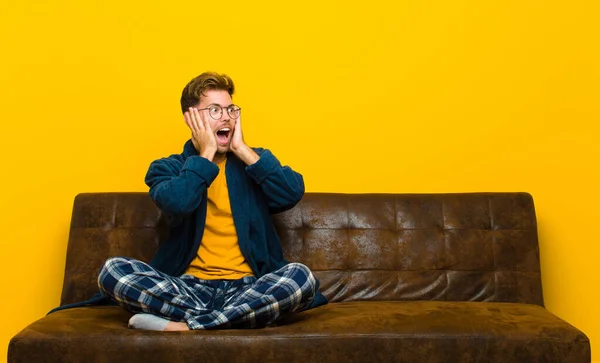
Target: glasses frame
[(239, 109)]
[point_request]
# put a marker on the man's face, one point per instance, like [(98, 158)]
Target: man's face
[(223, 127)]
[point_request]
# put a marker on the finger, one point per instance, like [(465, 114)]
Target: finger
[(204, 120), (188, 121), (238, 126), (190, 114), (197, 120)]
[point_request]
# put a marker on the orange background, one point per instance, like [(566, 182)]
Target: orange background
[(402, 97)]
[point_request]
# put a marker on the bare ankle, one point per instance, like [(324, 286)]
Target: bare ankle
[(176, 326)]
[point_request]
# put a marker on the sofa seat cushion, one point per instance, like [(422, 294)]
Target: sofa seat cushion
[(359, 331)]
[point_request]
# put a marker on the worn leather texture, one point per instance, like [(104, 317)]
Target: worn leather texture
[(410, 278)]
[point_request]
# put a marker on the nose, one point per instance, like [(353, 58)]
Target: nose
[(224, 115)]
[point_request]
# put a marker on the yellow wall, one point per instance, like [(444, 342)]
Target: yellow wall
[(416, 96)]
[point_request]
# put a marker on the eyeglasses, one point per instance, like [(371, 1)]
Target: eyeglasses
[(216, 111)]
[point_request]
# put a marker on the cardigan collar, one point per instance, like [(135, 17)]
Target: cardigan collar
[(189, 149)]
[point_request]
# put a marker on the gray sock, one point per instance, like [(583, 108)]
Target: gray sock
[(147, 322)]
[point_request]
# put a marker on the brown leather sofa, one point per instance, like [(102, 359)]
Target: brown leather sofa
[(410, 278)]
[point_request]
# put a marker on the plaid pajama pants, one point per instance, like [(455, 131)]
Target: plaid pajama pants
[(208, 304)]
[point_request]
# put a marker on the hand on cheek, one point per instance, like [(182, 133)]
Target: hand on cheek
[(237, 140), (239, 147), (202, 135)]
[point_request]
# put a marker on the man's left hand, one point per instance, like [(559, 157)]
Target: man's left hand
[(239, 147), (237, 140)]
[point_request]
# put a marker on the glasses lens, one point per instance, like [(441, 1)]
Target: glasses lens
[(215, 112), (233, 111)]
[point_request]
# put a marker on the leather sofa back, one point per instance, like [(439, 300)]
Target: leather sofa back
[(454, 247)]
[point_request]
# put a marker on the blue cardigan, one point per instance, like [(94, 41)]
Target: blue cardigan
[(178, 185)]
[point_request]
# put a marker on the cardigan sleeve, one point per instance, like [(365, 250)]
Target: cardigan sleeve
[(177, 187), (282, 187)]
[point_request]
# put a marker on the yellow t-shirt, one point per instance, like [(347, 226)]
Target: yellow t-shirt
[(219, 255)]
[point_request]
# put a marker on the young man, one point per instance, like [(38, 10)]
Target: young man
[(222, 265)]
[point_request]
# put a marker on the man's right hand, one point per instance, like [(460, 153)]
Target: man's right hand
[(202, 135)]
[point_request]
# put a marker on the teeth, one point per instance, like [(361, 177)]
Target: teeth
[(224, 129)]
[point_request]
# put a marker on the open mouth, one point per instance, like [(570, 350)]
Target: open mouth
[(223, 135)]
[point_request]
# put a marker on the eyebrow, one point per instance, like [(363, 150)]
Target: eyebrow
[(216, 104)]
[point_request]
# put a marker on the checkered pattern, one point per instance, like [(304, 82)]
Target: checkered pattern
[(208, 304)]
